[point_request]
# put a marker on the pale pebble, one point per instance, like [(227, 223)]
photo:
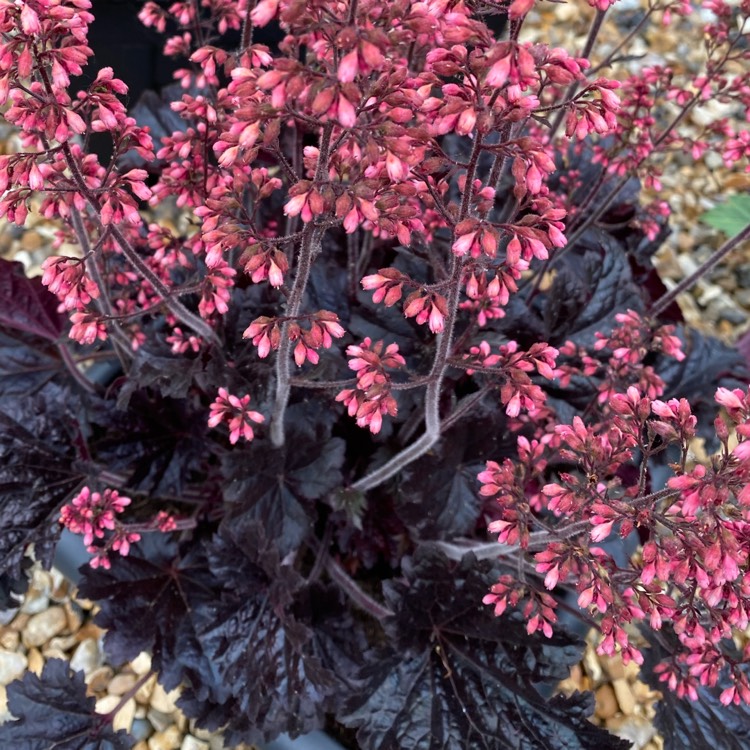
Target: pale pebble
[(162, 701), (124, 717), (159, 721), (35, 602), (192, 743), (12, 665), (63, 642), (121, 683), (54, 653), (144, 692), (141, 664), (169, 739), (43, 626), (87, 657)]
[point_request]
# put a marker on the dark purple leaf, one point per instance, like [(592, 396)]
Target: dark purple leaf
[(274, 486), (148, 601), (160, 444), (457, 677), (437, 496), (38, 472), (25, 305), (592, 285), (171, 377), (53, 712), (267, 656), (30, 328)]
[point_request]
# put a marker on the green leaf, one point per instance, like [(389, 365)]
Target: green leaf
[(730, 217)]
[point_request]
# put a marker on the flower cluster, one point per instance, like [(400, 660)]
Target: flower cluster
[(93, 514), (695, 563), (235, 412), (371, 399)]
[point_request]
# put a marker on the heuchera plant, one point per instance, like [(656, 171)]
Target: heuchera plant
[(401, 365)]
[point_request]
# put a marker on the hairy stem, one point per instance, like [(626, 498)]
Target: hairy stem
[(440, 364), (312, 237), (538, 540), (189, 319), (72, 366), (309, 249), (432, 397), (354, 592), (120, 343)]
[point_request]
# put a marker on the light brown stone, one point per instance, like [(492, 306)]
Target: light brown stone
[(40, 628), (121, 683), (74, 615), (606, 702), (87, 656), (98, 679), (169, 739), (20, 622), (9, 639), (36, 661), (624, 696)]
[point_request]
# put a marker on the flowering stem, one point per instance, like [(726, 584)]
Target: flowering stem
[(247, 26), (666, 299), (538, 540), (184, 315), (440, 364), (608, 200), (119, 341), (78, 376), (594, 30), (308, 251), (312, 237), (360, 598), (432, 396)]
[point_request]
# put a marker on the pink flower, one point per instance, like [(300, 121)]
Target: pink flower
[(264, 12), (235, 412)]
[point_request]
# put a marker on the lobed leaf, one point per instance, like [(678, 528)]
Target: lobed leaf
[(454, 676), (54, 712)]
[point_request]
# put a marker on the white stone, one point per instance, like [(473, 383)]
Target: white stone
[(191, 743), (141, 664), (162, 701), (12, 665)]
